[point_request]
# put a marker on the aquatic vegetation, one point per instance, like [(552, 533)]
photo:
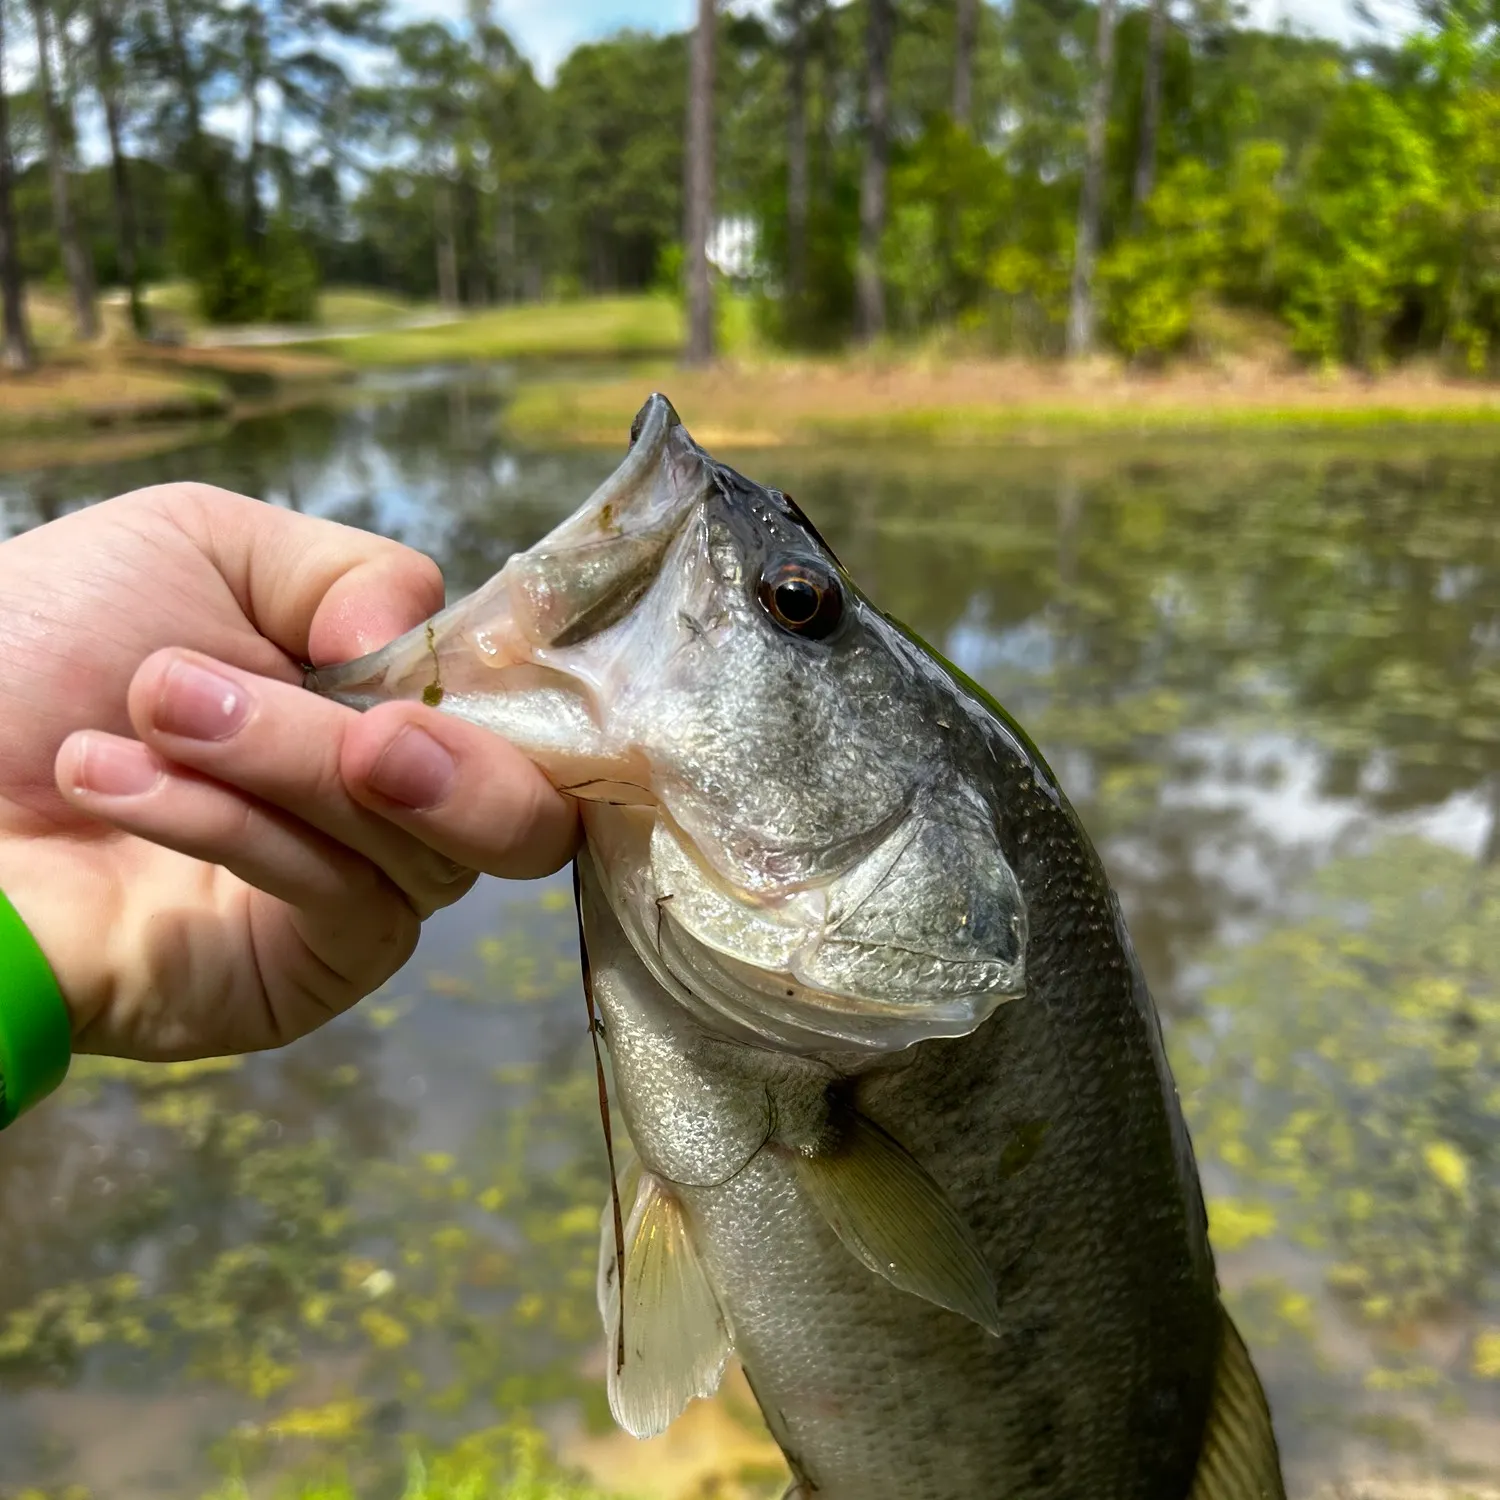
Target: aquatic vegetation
[(505, 1462), (287, 1230), (1350, 1072)]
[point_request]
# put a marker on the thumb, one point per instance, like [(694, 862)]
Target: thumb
[(378, 599), (320, 591)]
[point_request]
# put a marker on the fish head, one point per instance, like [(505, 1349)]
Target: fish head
[(773, 793)]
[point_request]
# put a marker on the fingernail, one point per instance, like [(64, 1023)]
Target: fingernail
[(414, 770), (200, 705), (115, 768)]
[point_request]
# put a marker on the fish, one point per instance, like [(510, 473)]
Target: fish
[(905, 1138)]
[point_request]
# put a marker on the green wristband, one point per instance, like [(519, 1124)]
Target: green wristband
[(36, 1037)]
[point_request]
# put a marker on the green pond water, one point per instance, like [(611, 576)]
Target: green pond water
[(1268, 674)]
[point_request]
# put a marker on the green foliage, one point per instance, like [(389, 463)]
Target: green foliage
[(1348, 198), (292, 281), (948, 201), (1152, 283), (1204, 236), (1361, 229), (1029, 276), (616, 157)]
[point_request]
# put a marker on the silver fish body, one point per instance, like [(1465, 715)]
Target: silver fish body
[(906, 1138)]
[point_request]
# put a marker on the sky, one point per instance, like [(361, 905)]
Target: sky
[(547, 30)]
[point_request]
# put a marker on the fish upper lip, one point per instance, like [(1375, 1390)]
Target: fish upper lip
[(637, 504)]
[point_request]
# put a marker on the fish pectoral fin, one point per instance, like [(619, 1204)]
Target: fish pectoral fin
[(893, 1218), (676, 1340), (1238, 1460)]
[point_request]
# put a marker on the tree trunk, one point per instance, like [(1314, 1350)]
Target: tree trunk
[(447, 247), (966, 32), (1145, 163), (869, 288), (187, 83), (254, 229), (127, 237), (828, 82), (16, 351), (74, 255), (1489, 852), (507, 281), (255, 72), (1081, 302), (796, 154), (699, 215)]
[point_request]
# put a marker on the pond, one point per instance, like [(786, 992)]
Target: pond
[(1266, 670)]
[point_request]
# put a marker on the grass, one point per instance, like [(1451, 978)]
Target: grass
[(101, 391), (350, 307), (594, 327), (338, 306), (118, 381), (772, 403)]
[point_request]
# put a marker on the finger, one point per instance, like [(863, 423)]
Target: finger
[(322, 592), (460, 789), (281, 745), (337, 908)]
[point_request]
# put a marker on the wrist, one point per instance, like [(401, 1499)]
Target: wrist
[(40, 881), (36, 1032)]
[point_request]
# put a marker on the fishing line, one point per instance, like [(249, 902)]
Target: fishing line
[(596, 1028)]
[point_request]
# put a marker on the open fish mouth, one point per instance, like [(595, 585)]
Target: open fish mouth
[(585, 575)]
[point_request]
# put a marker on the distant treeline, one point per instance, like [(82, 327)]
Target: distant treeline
[(1047, 174)]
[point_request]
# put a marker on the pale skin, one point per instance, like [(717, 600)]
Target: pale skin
[(217, 864)]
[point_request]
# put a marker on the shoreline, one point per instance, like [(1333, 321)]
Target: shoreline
[(588, 397), (140, 388), (801, 402)]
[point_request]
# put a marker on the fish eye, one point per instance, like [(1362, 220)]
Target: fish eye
[(802, 597)]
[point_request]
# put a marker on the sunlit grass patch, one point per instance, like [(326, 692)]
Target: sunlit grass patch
[(176, 302), (352, 306), (606, 327)]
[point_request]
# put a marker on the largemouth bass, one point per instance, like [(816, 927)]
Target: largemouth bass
[(907, 1142)]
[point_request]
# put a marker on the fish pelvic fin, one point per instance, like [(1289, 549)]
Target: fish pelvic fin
[(677, 1340), (892, 1217), (1239, 1460)]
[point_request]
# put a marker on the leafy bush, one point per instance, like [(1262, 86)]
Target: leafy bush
[(1363, 228), (1204, 234)]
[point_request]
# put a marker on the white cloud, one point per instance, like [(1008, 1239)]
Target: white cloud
[(1334, 18), (547, 30)]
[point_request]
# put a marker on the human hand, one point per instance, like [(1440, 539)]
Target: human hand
[(213, 859)]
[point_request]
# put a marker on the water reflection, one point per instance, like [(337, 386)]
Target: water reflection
[(1268, 676)]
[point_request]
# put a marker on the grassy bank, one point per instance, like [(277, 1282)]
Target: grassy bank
[(790, 402), (118, 382), (593, 327), (749, 400), (120, 385), (103, 390)]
